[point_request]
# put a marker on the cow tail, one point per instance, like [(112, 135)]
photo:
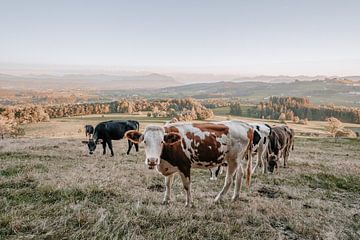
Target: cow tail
[(250, 135), (138, 125)]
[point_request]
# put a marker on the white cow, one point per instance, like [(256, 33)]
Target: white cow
[(259, 148)]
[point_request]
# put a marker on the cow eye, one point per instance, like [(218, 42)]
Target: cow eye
[(144, 142)]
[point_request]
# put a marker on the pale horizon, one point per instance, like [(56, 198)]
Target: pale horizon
[(203, 37)]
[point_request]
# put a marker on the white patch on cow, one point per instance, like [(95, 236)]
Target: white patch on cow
[(153, 141)]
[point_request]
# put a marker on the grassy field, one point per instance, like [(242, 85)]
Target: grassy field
[(50, 188)]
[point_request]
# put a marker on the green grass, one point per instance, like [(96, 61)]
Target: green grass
[(21, 169), (331, 182)]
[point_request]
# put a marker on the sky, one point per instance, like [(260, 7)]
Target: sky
[(235, 37)]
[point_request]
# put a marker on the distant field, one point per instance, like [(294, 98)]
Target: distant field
[(221, 111), (51, 188), (225, 111)]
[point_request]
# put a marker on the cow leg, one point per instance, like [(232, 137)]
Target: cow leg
[(104, 147), (286, 156), (262, 161), (213, 172), (232, 165), (129, 147), (109, 143), (187, 186), (136, 147), (258, 160), (241, 166), (238, 181), (168, 184), (264, 164)]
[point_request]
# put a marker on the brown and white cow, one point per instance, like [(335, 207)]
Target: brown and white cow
[(280, 144), (179, 147)]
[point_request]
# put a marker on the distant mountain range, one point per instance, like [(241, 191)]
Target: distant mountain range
[(141, 80), (320, 89), (329, 91), (86, 82)]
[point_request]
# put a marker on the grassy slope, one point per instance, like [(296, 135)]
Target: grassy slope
[(50, 188)]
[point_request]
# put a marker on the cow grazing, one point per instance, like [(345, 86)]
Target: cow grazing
[(280, 144), (111, 130), (259, 148), (89, 130), (179, 147)]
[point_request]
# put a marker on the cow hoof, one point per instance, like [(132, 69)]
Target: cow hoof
[(217, 200), (235, 198)]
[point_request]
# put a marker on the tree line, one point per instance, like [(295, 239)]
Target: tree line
[(299, 107), (183, 109)]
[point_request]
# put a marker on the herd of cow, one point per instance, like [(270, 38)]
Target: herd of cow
[(178, 147)]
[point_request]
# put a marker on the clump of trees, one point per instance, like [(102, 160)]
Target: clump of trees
[(336, 128), (181, 109), (298, 107), (9, 127)]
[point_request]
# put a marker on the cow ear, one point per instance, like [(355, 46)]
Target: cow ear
[(172, 138), (85, 142), (134, 136)]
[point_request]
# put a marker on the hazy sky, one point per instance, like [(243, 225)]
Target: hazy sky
[(243, 37)]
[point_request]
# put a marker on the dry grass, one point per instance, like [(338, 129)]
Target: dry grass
[(50, 188)]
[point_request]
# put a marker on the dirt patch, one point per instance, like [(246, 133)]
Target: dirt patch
[(269, 192)]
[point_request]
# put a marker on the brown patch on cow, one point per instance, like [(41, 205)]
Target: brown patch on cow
[(169, 129), (250, 135), (217, 129), (203, 152)]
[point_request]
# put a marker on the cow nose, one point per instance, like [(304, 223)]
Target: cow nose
[(152, 162), (91, 152)]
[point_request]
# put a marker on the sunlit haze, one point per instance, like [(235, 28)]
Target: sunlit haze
[(232, 37)]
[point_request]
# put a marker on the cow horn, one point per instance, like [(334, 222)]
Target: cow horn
[(131, 132), (173, 143)]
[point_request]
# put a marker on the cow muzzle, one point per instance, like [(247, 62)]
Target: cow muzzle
[(91, 152), (152, 162)]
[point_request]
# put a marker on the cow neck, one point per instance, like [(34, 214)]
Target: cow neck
[(174, 154)]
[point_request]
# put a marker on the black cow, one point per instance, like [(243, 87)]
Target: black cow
[(89, 130), (111, 130), (280, 144)]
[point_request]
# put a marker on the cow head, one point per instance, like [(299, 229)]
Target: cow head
[(91, 145), (154, 139), (273, 161)]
